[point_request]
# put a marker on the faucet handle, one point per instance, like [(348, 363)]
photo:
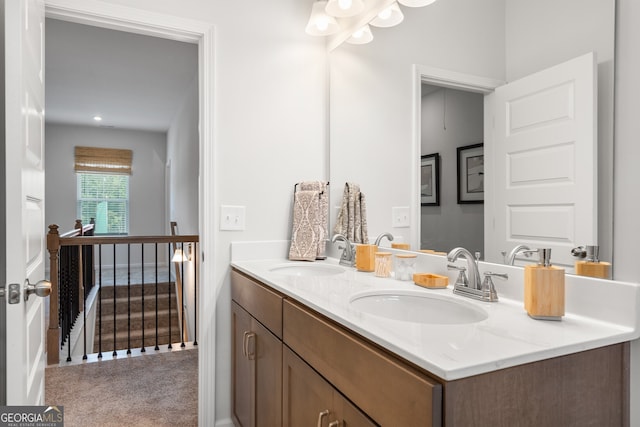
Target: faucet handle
[(489, 275), (487, 284), (462, 277)]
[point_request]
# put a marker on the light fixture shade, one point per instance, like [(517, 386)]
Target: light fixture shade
[(344, 8), (361, 36), (388, 17), (416, 3), (179, 256), (321, 24)]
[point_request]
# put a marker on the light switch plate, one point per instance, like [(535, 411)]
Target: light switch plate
[(400, 217), (232, 218)]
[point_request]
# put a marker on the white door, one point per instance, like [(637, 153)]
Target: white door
[(25, 228), (544, 162)]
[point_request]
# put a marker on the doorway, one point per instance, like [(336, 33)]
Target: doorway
[(459, 88), (450, 119), (202, 34)]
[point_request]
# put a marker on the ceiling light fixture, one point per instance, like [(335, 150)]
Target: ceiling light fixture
[(354, 14), (321, 24), (416, 3), (97, 118), (344, 8), (388, 17), (361, 36)]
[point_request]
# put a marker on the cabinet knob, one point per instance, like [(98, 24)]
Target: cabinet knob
[(321, 415)]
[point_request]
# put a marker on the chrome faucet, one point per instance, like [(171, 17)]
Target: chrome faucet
[(381, 236), (472, 286), (524, 249), (348, 254), (472, 268)]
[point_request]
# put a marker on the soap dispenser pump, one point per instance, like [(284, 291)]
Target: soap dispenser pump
[(591, 266), (544, 288)]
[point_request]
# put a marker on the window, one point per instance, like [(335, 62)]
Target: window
[(103, 188), (104, 197)]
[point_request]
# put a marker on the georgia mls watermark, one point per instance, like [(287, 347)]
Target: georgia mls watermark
[(31, 416)]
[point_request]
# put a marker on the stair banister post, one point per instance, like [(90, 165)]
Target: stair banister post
[(53, 332), (80, 290)]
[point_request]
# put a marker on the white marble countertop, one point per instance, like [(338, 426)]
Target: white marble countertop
[(508, 336)]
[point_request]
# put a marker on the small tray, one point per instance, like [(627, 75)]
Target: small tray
[(430, 280)]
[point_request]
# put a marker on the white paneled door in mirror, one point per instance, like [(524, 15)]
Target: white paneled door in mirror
[(544, 162)]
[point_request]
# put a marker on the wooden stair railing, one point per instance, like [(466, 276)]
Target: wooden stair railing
[(82, 237)]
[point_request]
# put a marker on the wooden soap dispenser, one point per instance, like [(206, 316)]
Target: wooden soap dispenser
[(544, 289), (591, 266)]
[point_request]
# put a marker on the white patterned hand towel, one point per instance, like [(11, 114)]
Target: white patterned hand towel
[(323, 213), (352, 221), (304, 235)]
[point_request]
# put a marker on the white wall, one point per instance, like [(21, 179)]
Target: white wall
[(451, 119), (627, 174), (372, 121), (269, 133), (146, 184), (183, 162)]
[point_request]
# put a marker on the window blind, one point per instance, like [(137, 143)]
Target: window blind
[(110, 160)]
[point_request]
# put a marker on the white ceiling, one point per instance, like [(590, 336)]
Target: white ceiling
[(132, 81)]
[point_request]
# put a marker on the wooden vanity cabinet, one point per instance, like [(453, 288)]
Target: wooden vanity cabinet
[(309, 400), (256, 354), (291, 363)]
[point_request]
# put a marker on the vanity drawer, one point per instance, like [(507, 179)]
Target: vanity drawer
[(384, 387), (264, 304)]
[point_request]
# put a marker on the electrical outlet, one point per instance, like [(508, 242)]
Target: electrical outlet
[(232, 218), (400, 217)]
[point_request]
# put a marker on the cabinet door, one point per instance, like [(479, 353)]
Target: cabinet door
[(267, 359), (307, 397), (309, 400), (257, 372), (242, 367)]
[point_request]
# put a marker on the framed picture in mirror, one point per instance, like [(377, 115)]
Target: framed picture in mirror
[(430, 180), (471, 174)]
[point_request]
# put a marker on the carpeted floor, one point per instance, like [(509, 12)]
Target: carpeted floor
[(149, 390)]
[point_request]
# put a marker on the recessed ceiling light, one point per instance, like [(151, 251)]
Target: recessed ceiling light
[(97, 118)]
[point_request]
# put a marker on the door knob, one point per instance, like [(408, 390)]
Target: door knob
[(41, 289)]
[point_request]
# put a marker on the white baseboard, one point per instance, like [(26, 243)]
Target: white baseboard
[(228, 422)]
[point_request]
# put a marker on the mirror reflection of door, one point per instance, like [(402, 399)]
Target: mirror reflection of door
[(544, 157), (450, 118)]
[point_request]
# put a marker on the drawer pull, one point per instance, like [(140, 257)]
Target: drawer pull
[(251, 345), (335, 423), (321, 415), (249, 350), (244, 344)]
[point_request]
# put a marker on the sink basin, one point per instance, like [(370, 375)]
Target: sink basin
[(307, 269), (418, 308)]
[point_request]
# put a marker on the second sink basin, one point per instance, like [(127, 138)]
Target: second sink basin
[(307, 269), (418, 308)]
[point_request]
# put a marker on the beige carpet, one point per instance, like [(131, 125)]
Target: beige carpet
[(149, 390)]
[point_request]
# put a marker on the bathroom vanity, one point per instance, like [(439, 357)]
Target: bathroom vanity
[(305, 354)]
